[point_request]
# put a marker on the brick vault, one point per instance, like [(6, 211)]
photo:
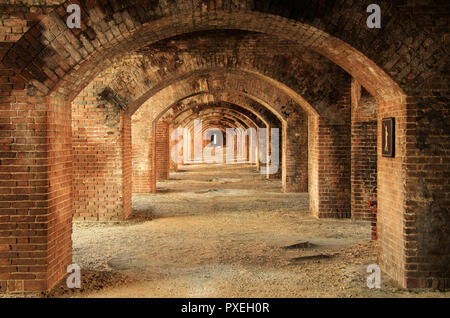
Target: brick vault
[(87, 115)]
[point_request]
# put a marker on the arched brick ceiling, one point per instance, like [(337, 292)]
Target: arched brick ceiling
[(336, 30), (196, 109), (218, 112), (228, 80), (224, 99), (139, 77), (304, 71), (212, 115), (220, 123)]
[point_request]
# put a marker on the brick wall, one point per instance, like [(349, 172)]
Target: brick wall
[(391, 196), (59, 174), (173, 143), (142, 165), (427, 197), (18, 16), (100, 131), (330, 157), (127, 166), (364, 154), (295, 158), (35, 190), (148, 167), (162, 150)]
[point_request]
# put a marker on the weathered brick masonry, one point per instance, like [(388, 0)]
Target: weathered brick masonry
[(98, 129), (70, 102), (364, 152)]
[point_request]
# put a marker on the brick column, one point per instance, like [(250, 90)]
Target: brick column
[(364, 154), (102, 159), (278, 174), (258, 164), (186, 145), (59, 218), (192, 141), (35, 189), (141, 150), (330, 160), (173, 143), (127, 170), (413, 218), (295, 153), (162, 150)]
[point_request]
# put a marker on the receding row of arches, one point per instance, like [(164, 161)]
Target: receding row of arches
[(103, 102)]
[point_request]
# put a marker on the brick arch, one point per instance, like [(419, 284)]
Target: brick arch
[(188, 88), (222, 125), (218, 80), (306, 73), (261, 90), (229, 118), (224, 99), (238, 120), (186, 114), (219, 122), (125, 29), (235, 103), (229, 121), (261, 117), (126, 32), (242, 118)]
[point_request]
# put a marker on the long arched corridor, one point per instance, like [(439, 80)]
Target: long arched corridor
[(224, 148)]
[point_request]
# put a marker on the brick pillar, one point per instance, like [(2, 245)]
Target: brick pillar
[(330, 160), (162, 150), (364, 153), (224, 148), (197, 143), (247, 149), (35, 189), (141, 142), (173, 143), (278, 174), (235, 152), (186, 145), (295, 153), (413, 217), (59, 178), (391, 198), (102, 159), (267, 154), (127, 170), (258, 167), (243, 141), (192, 141)]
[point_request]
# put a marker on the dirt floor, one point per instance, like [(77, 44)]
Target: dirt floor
[(226, 231)]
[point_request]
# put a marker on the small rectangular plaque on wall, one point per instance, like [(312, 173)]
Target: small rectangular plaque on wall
[(388, 137)]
